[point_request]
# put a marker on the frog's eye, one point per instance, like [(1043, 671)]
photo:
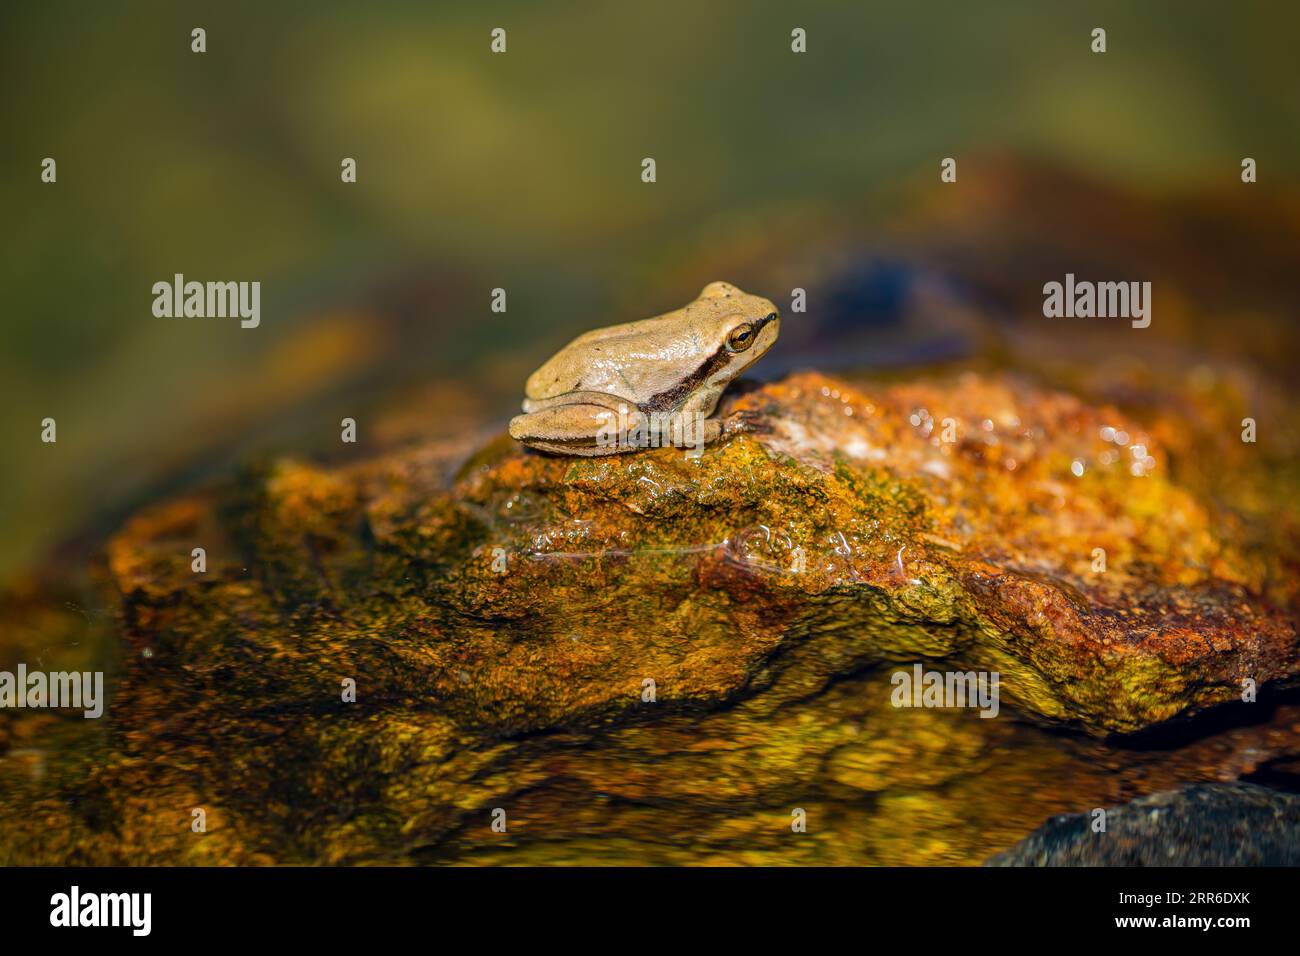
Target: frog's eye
[(740, 338)]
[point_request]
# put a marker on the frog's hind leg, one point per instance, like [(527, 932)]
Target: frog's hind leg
[(600, 399), (579, 428)]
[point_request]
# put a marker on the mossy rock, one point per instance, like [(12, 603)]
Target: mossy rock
[(533, 630)]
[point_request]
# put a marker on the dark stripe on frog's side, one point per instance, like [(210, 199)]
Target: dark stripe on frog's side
[(669, 399)]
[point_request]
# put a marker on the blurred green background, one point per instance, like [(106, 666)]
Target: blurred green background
[(519, 170)]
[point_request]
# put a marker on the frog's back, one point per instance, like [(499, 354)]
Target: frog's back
[(631, 361)]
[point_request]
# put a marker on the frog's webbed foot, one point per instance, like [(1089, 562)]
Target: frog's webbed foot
[(745, 422)]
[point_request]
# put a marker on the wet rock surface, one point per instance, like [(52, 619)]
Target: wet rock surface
[(1202, 825), (650, 658)]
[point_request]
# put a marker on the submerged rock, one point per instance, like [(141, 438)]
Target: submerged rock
[(1200, 825), (653, 658)]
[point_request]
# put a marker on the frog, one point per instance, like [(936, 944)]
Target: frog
[(672, 367)]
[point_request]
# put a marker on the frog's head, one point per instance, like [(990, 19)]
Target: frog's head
[(738, 327)]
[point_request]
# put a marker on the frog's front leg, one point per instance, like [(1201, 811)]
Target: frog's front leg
[(580, 428), (697, 429)]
